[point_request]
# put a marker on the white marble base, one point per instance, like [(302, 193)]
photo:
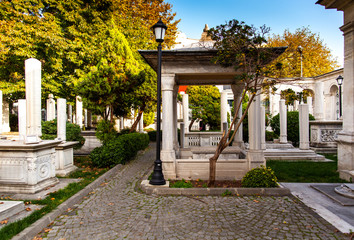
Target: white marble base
[(346, 155), (64, 163), (27, 168)]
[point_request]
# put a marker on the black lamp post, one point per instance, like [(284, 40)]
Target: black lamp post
[(340, 82), (299, 48), (157, 177)]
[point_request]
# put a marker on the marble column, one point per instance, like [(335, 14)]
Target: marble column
[(5, 116), (121, 123), (79, 111), (85, 118), (263, 129), (175, 124), (61, 119), (70, 113), (304, 127), (33, 99), (50, 107), (22, 119), (319, 100), (185, 102), (309, 103), (141, 123), (168, 156), (283, 121), (255, 154), (223, 109), (238, 139)]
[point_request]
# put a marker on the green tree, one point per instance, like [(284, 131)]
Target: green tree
[(241, 46), (204, 101), (316, 56)]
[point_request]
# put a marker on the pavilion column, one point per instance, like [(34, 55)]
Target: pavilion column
[(283, 121), (346, 136), (309, 103), (319, 98), (61, 119), (22, 119), (238, 139), (79, 111), (185, 112), (33, 99), (223, 109), (175, 125), (255, 154), (263, 129), (168, 156), (51, 108), (5, 116), (304, 127), (141, 123), (1, 102), (70, 113)]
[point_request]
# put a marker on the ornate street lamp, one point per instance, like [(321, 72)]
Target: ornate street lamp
[(340, 82), (157, 177), (299, 49)]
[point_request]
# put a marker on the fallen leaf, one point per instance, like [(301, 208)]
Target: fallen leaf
[(4, 221), (255, 201), (1, 202), (110, 204), (284, 222), (81, 223), (47, 230), (69, 209), (28, 209), (52, 199)]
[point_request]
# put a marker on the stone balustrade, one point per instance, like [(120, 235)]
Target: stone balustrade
[(202, 139), (324, 135)]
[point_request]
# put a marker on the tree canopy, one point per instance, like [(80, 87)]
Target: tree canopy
[(204, 101), (316, 57)]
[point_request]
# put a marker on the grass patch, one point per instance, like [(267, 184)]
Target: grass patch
[(181, 184), (306, 171), (85, 172)]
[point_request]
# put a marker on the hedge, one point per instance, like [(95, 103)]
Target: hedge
[(119, 150)]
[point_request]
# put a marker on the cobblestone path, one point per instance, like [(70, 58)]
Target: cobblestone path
[(117, 211)]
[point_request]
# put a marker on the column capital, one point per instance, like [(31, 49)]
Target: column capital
[(347, 28), (167, 82), (237, 89)]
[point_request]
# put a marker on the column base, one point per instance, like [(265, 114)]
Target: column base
[(345, 154), (255, 158), (168, 158)]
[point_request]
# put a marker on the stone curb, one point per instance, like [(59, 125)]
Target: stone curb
[(165, 190), (31, 231)]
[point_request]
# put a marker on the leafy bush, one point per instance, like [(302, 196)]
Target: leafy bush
[(152, 135), (292, 126), (13, 122), (270, 136), (73, 132), (259, 177), (181, 184), (125, 131), (105, 130), (119, 150)]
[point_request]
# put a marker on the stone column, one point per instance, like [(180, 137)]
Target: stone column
[(346, 136), (33, 99), (283, 121), (309, 103), (182, 135), (141, 123), (304, 127), (185, 102), (175, 125), (263, 129), (79, 111), (22, 119), (255, 154), (5, 116), (70, 113), (121, 123), (50, 107), (319, 99), (168, 155), (85, 118), (238, 139), (223, 108), (61, 119)]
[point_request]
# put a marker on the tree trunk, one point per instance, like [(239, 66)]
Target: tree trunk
[(191, 124), (136, 122), (212, 161)]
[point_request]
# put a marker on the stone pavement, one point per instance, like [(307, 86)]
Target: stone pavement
[(117, 211)]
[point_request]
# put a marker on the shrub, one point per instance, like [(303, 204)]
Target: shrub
[(119, 150), (73, 132), (270, 136), (125, 131), (292, 126), (259, 177), (105, 130), (13, 122), (152, 135), (181, 184)]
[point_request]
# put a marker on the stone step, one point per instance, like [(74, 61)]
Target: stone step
[(10, 208)]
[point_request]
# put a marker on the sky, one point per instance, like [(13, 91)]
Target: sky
[(279, 15)]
